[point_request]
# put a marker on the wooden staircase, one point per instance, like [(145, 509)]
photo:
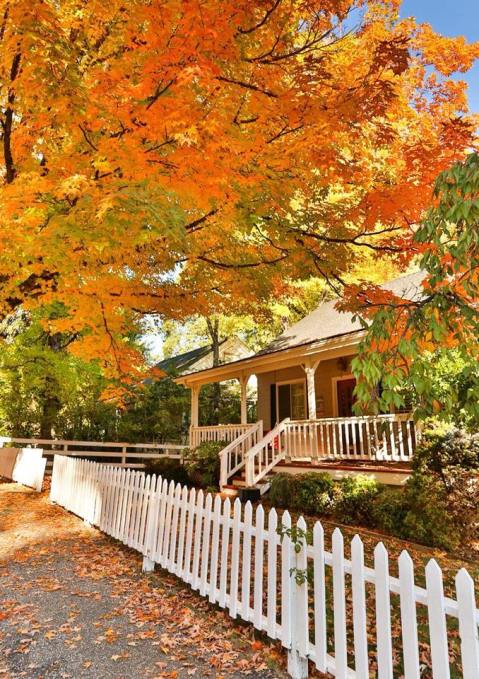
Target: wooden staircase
[(238, 487)]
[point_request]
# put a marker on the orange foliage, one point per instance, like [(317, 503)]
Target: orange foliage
[(154, 151)]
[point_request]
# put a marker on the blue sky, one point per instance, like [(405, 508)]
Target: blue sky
[(451, 18)]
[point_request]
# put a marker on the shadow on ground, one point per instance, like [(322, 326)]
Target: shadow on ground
[(75, 604)]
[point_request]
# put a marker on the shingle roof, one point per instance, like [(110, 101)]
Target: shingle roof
[(327, 322), (175, 365)]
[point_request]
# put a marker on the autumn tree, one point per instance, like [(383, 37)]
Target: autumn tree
[(164, 156)]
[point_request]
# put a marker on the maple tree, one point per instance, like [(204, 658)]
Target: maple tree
[(165, 156)]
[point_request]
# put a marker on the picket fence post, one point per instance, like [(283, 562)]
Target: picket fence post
[(148, 565), (298, 605)]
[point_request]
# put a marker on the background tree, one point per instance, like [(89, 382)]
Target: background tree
[(428, 345), (45, 391)]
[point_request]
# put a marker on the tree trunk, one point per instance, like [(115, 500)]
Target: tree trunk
[(214, 332), (50, 408), (51, 404)]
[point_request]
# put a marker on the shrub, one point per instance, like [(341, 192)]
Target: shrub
[(169, 469), (389, 509), (425, 510), (445, 450), (203, 464), (427, 519), (355, 498), (311, 493), (281, 492), (314, 493), (463, 507), (446, 465)]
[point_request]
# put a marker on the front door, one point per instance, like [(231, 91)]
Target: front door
[(346, 398), (348, 435), (291, 403)]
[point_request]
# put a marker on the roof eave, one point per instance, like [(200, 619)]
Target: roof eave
[(331, 347)]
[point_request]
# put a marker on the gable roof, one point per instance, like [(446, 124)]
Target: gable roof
[(327, 322), (175, 365), (231, 348), (323, 330)]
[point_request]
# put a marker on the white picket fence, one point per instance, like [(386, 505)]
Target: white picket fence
[(281, 578)]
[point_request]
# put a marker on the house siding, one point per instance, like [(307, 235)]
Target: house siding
[(325, 373)]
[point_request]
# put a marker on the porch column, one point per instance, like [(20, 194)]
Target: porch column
[(243, 380), (195, 397), (310, 370)]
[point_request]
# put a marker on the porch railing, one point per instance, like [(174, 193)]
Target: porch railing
[(218, 432), (233, 457), (390, 438), (266, 454)]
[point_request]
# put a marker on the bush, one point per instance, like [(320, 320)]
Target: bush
[(463, 507), (355, 499), (427, 518), (314, 492), (389, 509), (311, 493), (444, 486), (281, 492), (203, 464), (437, 506), (169, 469), (445, 450)]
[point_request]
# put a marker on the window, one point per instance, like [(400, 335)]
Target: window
[(291, 400)]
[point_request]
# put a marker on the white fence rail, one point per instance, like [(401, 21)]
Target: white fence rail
[(218, 432), (266, 454), (115, 452), (389, 438), (337, 612)]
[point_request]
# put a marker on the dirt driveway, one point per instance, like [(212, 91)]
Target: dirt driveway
[(74, 603)]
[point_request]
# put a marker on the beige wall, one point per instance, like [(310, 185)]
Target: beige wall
[(326, 371)]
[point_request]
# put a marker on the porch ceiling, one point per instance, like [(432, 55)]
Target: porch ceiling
[(311, 352)]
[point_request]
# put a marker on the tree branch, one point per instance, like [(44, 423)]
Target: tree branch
[(269, 12)]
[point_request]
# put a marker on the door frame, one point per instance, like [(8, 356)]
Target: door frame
[(334, 381), (295, 381)]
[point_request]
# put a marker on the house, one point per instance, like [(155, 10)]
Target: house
[(230, 349), (305, 406)]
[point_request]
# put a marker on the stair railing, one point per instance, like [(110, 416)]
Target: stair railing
[(233, 456), (266, 454)]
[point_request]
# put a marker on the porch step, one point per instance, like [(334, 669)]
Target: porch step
[(238, 487), (239, 484), (229, 491)]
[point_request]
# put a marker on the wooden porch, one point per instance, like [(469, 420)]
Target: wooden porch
[(382, 444)]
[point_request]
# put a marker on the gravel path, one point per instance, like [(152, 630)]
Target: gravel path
[(74, 604)]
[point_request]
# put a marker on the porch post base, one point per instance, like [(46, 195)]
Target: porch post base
[(148, 565), (297, 666)]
